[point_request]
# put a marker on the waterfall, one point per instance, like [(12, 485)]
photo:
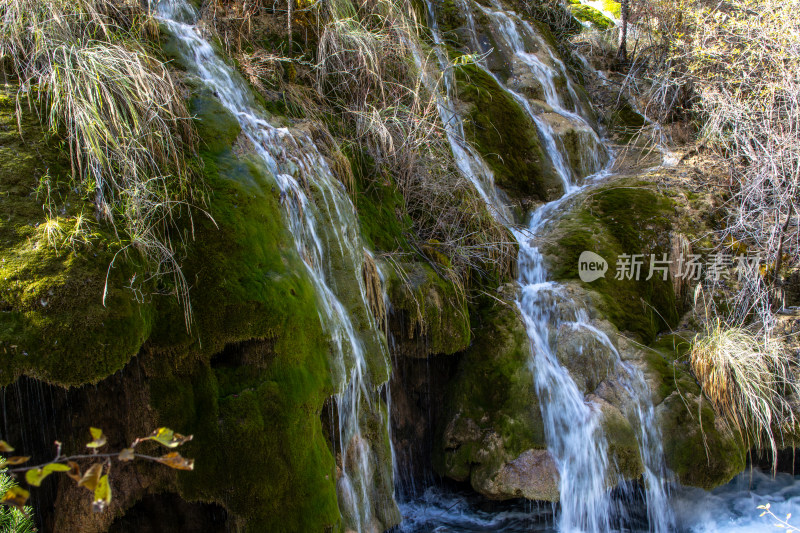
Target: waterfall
[(322, 221), (573, 422)]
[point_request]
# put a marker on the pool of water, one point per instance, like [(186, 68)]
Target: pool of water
[(732, 508)]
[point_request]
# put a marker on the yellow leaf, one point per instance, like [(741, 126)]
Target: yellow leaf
[(98, 439), (167, 437), (35, 476), (16, 497), (92, 477), (5, 447), (174, 460), (102, 494)]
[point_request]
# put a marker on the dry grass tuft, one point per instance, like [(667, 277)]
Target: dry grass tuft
[(750, 381)]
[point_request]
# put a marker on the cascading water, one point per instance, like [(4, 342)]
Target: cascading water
[(573, 425), (322, 222)]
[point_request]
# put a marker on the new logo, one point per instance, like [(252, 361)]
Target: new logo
[(591, 267)]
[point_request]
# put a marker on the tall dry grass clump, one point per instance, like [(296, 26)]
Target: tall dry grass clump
[(374, 68), (750, 381), (85, 64)]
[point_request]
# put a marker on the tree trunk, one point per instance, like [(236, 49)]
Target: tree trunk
[(622, 51), (289, 17)]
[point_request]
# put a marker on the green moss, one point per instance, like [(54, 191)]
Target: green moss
[(623, 446), (53, 324), (591, 15), (381, 209), (449, 16), (493, 392), (435, 318), (506, 137), (700, 450), (625, 121), (625, 218), (255, 408), (613, 7)]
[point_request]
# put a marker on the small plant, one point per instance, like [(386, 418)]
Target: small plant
[(13, 520), (749, 380), (779, 523), (95, 478)]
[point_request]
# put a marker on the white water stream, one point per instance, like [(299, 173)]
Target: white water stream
[(572, 423), (322, 221)]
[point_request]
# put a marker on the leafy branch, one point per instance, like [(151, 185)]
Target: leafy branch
[(95, 478), (779, 523)]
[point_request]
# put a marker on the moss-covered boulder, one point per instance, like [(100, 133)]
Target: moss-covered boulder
[(492, 424), (55, 322), (428, 315), (506, 137), (699, 448), (630, 216), (618, 221)]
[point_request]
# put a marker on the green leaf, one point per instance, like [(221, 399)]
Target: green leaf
[(102, 494), (35, 476), (5, 447), (167, 437)]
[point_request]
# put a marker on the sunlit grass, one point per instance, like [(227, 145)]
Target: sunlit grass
[(86, 66), (750, 381)]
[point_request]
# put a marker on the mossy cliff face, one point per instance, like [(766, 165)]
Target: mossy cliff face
[(491, 433), (53, 323), (251, 378), (631, 216)]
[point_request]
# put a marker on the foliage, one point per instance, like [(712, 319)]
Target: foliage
[(735, 68), (86, 66), (95, 477), (369, 81), (749, 381), (12, 519)]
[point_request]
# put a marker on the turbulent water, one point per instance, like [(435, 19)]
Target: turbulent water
[(324, 227), (729, 509)]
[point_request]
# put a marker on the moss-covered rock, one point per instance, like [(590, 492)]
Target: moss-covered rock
[(492, 419), (591, 16), (506, 137), (626, 217), (54, 321), (428, 314), (698, 447)]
